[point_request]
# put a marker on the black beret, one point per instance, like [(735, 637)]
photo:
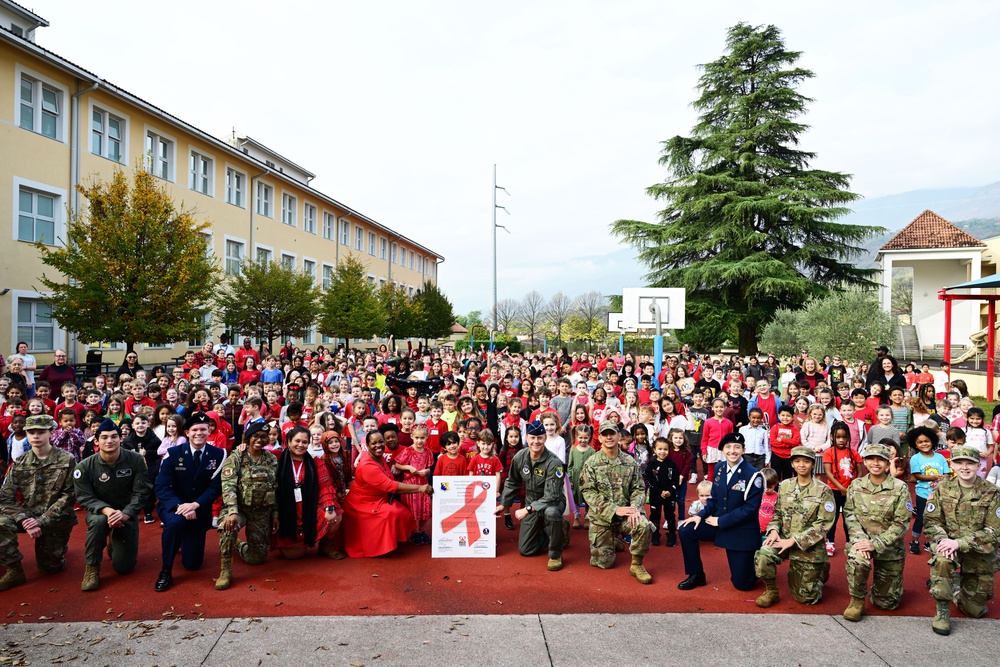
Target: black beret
[(254, 428)]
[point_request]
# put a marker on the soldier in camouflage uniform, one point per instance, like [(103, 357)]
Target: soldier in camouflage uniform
[(803, 513), (876, 515), (962, 521), (113, 486), (249, 478), (543, 476), (613, 488), (37, 498)]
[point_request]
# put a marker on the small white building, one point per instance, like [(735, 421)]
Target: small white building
[(941, 255)]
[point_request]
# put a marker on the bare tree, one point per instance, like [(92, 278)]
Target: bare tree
[(531, 312), (592, 309), (559, 309), (506, 315)]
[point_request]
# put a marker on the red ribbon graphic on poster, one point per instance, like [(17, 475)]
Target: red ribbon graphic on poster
[(467, 513)]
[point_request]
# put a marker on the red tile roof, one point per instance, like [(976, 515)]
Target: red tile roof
[(930, 230), (457, 328)]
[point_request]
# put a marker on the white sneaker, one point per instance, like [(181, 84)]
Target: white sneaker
[(215, 522), (830, 549), (694, 478)]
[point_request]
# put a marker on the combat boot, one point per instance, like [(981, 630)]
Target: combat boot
[(13, 577), (770, 595), (225, 579), (942, 618), (855, 610), (555, 564), (91, 578), (639, 571)]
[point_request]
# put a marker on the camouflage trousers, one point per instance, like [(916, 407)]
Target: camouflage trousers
[(887, 581), (258, 536), (122, 542), (602, 540), (805, 578), (975, 581), (50, 546)]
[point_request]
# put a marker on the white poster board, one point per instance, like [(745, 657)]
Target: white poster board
[(463, 523)]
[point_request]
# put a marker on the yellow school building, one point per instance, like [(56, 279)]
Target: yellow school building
[(61, 125)]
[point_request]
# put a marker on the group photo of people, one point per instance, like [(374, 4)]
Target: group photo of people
[(843, 468)]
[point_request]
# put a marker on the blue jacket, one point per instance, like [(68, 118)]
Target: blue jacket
[(178, 482), (736, 506)]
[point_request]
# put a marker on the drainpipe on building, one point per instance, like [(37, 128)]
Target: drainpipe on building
[(74, 181)]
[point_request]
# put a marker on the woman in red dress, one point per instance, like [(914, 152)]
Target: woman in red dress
[(375, 522), (307, 505)]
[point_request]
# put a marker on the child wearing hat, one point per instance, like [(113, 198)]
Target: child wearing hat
[(962, 521), (803, 514)]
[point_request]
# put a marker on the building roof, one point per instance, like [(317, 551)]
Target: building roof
[(930, 230), (108, 87), (24, 12), (457, 328)]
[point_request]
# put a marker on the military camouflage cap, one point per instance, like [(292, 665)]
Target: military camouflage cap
[(965, 454), (806, 452), (47, 423), (876, 450), (608, 425)]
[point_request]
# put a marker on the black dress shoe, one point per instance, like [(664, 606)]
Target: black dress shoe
[(508, 523), (693, 581), (165, 579)]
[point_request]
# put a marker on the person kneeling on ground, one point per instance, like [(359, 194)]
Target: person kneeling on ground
[(541, 473), (614, 491), (962, 521), (876, 516), (804, 512), (113, 487)]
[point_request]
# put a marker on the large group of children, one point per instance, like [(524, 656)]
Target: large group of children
[(465, 413)]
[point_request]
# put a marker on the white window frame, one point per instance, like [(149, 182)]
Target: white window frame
[(411, 260), (241, 191), (323, 271), (305, 271), (373, 279), (383, 247), (266, 249), (58, 335), (292, 256), (108, 112), (420, 264), (259, 200), (329, 224), (58, 208), (371, 243), (289, 209), (344, 227), (393, 252), (201, 157), (309, 214), (62, 116), (307, 339), (359, 238), (167, 346), (225, 254), (149, 161)]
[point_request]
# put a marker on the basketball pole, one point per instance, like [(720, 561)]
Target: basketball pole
[(654, 308)]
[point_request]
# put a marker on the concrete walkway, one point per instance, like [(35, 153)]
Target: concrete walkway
[(524, 641)]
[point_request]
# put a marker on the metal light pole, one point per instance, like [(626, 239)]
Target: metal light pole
[(493, 229)]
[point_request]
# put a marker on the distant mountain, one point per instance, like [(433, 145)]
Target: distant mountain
[(974, 209)]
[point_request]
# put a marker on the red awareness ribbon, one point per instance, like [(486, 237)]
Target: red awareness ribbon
[(467, 513)]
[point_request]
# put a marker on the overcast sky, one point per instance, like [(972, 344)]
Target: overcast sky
[(401, 108)]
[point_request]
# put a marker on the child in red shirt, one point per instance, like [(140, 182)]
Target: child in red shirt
[(843, 466), (451, 462), (769, 498), (436, 427), (470, 445), (784, 436), (486, 462)]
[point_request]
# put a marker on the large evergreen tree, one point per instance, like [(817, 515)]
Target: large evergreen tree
[(137, 266), (748, 226)]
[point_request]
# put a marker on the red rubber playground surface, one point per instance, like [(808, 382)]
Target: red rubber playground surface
[(410, 582)]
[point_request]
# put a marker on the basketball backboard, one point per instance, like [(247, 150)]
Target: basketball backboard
[(616, 324), (636, 302)]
